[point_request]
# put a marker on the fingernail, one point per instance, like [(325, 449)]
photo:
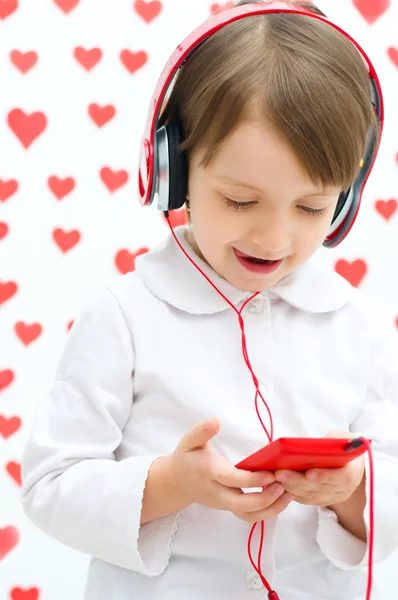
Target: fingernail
[(313, 476), (282, 477)]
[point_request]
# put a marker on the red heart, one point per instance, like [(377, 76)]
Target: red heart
[(87, 58), (177, 217), (147, 10), (113, 179), (9, 538), (9, 426), (125, 260), (65, 240), (23, 62), (60, 187), (133, 60), (217, 8), (27, 333), (20, 594), (393, 54), (7, 290), (26, 127), (101, 114), (386, 208), (354, 271), (3, 230), (66, 5), (7, 7), (371, 10), (14, 470), (7, 189), (69, 325), (6, 378)]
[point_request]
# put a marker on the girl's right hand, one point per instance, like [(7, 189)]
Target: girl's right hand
[(201, 476)]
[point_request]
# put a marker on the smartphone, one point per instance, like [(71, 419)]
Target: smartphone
[(300, 454)]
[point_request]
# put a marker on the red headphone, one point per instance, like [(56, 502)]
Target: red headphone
[(163, 168)]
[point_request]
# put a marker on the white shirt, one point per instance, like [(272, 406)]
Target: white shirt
[(159, 351)]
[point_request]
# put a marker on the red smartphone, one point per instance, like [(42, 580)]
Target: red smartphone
[(300, 454)]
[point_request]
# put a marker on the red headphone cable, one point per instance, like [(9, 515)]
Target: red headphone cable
[(272, 595)]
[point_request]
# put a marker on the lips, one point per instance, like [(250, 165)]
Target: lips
[(255, 264), (255, 259)]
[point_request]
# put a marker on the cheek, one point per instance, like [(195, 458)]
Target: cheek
[(212, 219), (318, 228), (307, 241)]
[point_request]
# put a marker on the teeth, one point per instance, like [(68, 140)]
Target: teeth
[(260, 261)]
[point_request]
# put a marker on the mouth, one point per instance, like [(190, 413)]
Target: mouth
[(257, 265)]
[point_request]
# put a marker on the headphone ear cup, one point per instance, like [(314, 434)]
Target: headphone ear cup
[(178, 167)]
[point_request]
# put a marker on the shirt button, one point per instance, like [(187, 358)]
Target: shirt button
[(256, 306), (253, 581)]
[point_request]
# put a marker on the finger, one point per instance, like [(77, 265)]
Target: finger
[(294, 480), (257, 501), (200, 435), (320, 499), (231, 477), (343, 435), (331, 477), (271, 511)]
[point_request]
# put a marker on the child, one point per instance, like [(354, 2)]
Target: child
[(131, 455)]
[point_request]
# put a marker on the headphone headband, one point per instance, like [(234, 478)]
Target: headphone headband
[(148, 147)]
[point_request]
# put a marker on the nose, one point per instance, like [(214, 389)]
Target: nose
[(272, 235)]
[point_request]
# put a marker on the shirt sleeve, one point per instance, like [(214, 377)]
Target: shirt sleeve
[(377, 420), (73, 487)]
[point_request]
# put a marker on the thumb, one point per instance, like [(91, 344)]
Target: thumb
[(200, 435)]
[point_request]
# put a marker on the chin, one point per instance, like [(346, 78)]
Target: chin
[(255, 285)]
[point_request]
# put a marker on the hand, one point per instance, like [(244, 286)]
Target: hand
[(201, 476), (324, 487)]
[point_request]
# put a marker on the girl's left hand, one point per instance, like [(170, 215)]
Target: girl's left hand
[(324, 487)]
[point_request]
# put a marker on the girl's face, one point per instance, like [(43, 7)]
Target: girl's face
[(254, 199)]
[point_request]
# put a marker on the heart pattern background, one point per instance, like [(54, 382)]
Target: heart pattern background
[(73, 106)]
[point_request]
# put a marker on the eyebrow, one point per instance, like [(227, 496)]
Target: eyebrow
[(251, 187)]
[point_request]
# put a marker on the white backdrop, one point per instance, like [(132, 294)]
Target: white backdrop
[(76, 77)]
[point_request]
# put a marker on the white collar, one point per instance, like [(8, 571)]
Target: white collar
[(165, 270)]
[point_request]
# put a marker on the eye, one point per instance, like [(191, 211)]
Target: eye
[(235, 205), (317, 212)]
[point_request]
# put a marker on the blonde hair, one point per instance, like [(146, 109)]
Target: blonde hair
[(307, 79)]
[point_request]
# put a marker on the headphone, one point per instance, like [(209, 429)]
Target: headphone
[(163, 168)]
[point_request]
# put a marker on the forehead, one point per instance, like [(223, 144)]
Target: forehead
[(254, 151), (256, 155)]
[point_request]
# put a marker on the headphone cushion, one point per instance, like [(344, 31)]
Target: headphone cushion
[(178, 167)]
